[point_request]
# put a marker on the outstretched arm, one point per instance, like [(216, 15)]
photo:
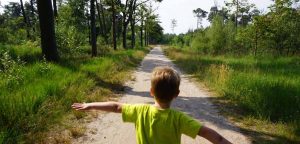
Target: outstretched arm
[(104, 106), (212, 136)]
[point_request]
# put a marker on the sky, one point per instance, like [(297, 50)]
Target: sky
[(182, 11)]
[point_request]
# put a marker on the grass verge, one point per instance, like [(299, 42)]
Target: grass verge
[(262, 94), (36, 97)]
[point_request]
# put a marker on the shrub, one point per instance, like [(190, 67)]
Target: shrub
[(69, 40), (265, 87), (10, 70)]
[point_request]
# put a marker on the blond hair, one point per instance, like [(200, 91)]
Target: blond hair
[(165, 83)]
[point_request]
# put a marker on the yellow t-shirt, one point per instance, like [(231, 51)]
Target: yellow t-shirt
[(155, 126)]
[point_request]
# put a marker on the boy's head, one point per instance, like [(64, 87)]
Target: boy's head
[(165, 83)]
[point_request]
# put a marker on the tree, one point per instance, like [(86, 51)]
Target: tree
[(199, 13), (132, 23), (216, 35), (79, 15), (55, 8), (101, 29), (93, 29), (156, 33), (33, 17), (26, 22), (173, 24), (128, 14), (12, 10), (103, 21), (235, 3), (283, 27), (114, 25), (215, 12), (48, 41), (142, 11), (241, 7)]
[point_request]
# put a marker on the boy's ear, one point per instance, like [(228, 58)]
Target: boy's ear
[(177, 94), (151, 92)]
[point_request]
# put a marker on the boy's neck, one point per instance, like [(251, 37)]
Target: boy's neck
[(162, 105)]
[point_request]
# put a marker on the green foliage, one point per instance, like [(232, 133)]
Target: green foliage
[(266, 87), (216, 35), (4, 35), (11, 70), (201, 42), (12, 36), (74, 13), (36, 96), (27, 51), (274, 33), (69, 40), (230, 36), (71, 32), (155, 33)]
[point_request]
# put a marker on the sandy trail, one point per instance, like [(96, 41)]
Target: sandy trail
[(109, 128)]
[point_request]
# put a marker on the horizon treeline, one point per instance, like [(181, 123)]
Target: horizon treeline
[(239, 28)]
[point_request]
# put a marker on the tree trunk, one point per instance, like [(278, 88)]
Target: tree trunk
[(48, 41), (124, 32), (145, 35), (114, 25), (148, 38), (104, 23), (141, 31), (132, 25), (55, 9), (256, 39), (93, 29), (125, 23), (26, 22), (89, 29), (32, 14), (236, 14), (99, 17)]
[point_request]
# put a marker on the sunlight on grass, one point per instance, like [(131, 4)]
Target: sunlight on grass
[(265, 88), (37, 95)]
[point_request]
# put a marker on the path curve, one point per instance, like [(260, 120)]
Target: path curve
[(109, 128)]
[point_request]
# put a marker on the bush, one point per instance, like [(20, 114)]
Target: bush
[(10, 70), (69, 40), (4, 35), (266, 87), (38, 95), (201, 42)]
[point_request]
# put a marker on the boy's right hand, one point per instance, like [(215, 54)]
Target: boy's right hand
[(80, 106)]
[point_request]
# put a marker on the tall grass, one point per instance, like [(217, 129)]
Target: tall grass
[(38, 94), (266, 87)]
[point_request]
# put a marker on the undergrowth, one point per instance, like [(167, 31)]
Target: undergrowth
[(266, 88), (36, 95)]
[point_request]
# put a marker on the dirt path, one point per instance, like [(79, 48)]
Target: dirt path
[(109, 128)]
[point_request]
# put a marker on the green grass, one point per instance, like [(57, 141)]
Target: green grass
[(266, 88), (37, 95)]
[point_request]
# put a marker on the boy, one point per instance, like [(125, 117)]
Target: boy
[(158, 124)]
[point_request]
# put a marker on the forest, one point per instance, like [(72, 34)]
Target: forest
[(250, 58), (56, 52)]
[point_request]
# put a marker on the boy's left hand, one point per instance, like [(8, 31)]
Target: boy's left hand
[(80, 106)]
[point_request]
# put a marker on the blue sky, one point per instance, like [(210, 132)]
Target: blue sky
[(182, 11)]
